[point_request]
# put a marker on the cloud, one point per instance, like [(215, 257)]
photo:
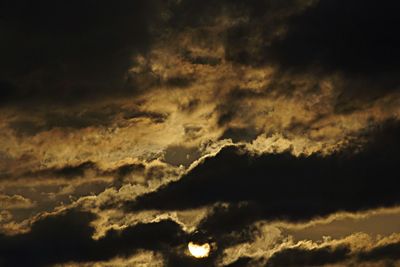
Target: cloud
[(33, 122), (90, 184), (140, 259), (319, 37), (380, 256), (69, 52), (66, 237), (283, 186), (389, 251), (15, 202), (196, 116), (242, 262), (272, 247), (50, 240), (325, 38), (312, 257)]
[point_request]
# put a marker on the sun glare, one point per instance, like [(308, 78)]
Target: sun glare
[(199, 251)]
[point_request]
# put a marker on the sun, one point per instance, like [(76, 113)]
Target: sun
[(199, 251)]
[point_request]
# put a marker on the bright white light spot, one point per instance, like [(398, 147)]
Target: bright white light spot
[(199, 251)]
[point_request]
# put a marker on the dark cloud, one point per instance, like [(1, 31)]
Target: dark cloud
[(191, 13), (67, 237), (201, 60), (127, 169), (54, 239), (231, 224), (190, 106), (67, 172), (85, 170), (68, 51), (242, 262), (238, 134), (313, 257), (355, 39), (282, 186), (384, 255), (179, 81), (73, 171), (40, 121), (233, 107), (65, 119), (389, 251)]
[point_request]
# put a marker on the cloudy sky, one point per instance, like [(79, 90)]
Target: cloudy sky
[(267, 130)]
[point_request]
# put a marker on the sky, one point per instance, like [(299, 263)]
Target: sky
[(266, 131)]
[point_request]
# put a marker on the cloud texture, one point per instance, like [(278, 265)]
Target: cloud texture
[(268, 129)]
